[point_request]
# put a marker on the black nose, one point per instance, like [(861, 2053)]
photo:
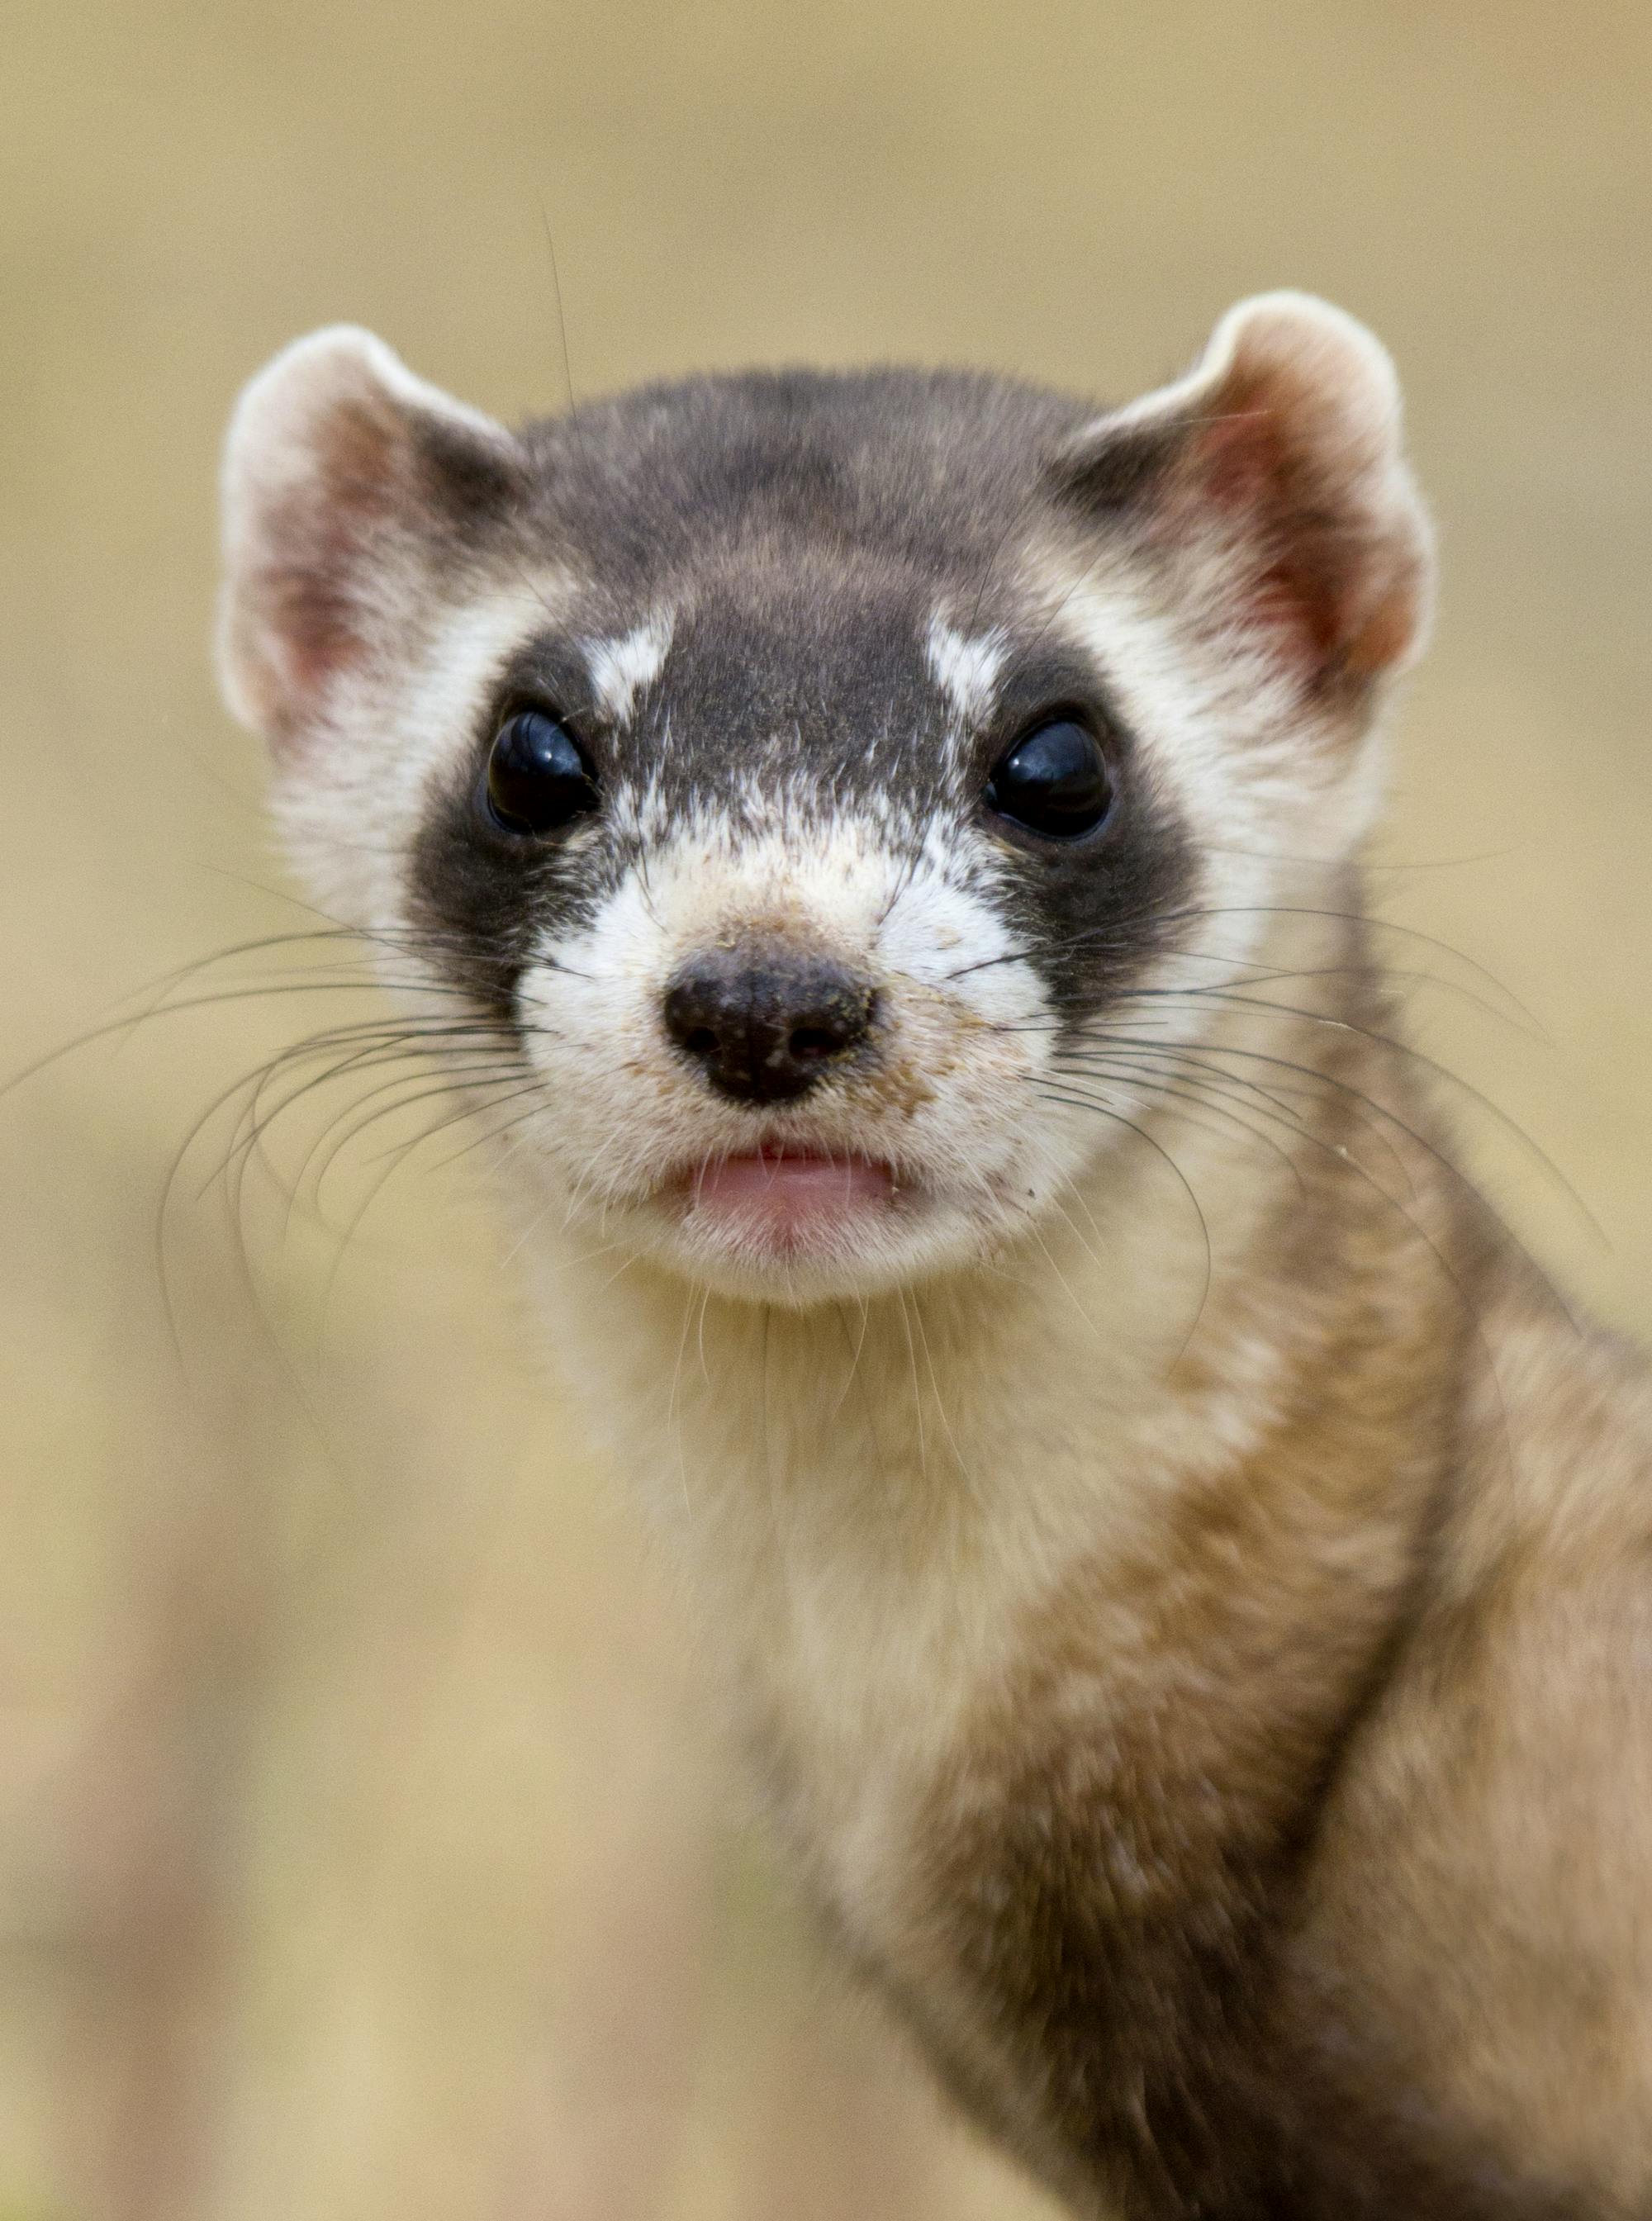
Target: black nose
[(764, 1022)]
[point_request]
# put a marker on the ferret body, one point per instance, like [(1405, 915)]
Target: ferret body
[(1182, 1577)]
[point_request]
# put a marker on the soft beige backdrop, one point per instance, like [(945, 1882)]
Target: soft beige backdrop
[(362, 1854)]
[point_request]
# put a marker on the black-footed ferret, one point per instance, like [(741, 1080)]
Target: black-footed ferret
[(892, 841)]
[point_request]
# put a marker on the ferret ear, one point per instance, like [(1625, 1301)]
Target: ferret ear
[(349, 487), (1279, 455)]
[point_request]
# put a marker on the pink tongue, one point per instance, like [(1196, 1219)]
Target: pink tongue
[(787, 1191)]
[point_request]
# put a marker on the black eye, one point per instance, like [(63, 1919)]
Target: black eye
[(1053, 781), (537, 775)]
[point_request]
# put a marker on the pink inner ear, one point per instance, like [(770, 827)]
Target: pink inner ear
[(323, 545), (315, 620), (316, 583), (1322, 577), (353, 494)]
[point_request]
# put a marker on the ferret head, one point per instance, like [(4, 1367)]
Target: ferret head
[(797, 767)]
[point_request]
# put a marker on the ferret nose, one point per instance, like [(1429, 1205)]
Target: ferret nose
[(766, 1023)]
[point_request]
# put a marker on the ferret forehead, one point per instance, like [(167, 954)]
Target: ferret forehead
[(790, 642), (927, 467), (765, 642), (793, 680)]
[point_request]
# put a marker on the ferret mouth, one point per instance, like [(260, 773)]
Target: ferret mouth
[(785, 1201)]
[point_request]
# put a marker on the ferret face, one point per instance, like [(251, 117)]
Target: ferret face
[(802, 887), (802, 769)]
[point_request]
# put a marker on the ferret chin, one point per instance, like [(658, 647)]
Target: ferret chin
[(880, 852)]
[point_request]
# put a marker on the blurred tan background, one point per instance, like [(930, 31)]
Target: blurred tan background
[(363, 1854)]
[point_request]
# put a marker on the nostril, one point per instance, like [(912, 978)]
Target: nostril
[(702, 1042), (809, 1043)]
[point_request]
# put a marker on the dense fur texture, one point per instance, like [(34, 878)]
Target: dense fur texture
[(1182, 1577)]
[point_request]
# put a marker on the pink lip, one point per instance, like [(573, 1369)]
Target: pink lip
[(786, 1200)]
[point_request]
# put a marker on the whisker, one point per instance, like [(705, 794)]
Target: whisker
[(535, 1088), (1085, 1102), (1344, 1161), (1115, 928), (338, 1136), (1200, 1092), (1388, 1041), (1452, 1171), (376, 1053), (1169, 1051)]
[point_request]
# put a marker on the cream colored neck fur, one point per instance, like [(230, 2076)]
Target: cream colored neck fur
[(870, 1506)]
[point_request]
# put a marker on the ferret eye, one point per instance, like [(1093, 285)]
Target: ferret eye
[(1055, 780), (537, 775)]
